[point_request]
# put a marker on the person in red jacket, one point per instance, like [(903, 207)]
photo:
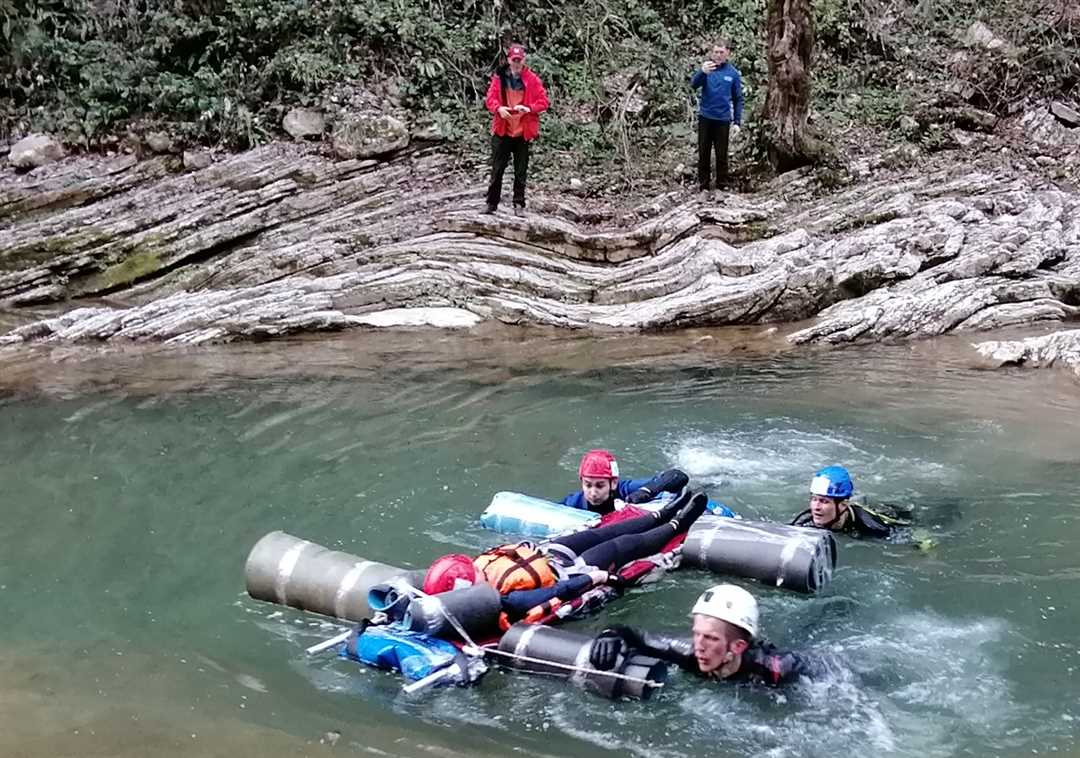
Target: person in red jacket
[(516, 98)]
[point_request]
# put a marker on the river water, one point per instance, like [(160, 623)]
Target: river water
[(134, 483)]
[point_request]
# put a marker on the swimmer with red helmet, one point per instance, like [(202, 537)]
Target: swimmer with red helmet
[(601, 486)]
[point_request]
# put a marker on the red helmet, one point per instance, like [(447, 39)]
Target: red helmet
[(449, 573), (599, 464)]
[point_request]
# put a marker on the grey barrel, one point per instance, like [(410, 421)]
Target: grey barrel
[(550, 645), (476, 609), (291, 571), (792, 557)]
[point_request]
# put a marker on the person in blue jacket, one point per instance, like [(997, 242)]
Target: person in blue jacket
[(601, 486), (719, 113)]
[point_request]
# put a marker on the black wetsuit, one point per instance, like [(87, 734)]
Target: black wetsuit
[(761, 662), (608, 548), (861, 523)]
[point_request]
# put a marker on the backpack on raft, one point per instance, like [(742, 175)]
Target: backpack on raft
[(509, 568)]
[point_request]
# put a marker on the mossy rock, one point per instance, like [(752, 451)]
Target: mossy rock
[(49, 249), (139, 261)]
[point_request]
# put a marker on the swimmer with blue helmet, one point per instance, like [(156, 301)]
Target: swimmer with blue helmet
[(830, 492)]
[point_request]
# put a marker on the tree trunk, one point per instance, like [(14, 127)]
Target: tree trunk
[(790, 45)]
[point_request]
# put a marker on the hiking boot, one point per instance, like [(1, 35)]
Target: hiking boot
[(690, 513), (489, 208)]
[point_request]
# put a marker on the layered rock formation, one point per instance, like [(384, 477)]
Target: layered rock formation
[(284, 239)]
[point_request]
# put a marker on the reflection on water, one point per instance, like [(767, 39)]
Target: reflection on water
[(135, 482)]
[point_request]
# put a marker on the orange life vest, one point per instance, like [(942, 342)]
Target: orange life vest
[(515, 567)]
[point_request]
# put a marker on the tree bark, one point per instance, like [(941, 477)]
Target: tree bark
[(790, 46)]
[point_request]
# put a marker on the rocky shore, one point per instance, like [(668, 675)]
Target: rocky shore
[(290, 237)]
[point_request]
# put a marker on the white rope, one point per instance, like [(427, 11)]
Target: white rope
[(572, 668)]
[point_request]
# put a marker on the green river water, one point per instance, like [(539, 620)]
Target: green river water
[(134, 483)]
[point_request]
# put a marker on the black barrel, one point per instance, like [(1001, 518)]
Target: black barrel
[(545, 643), (793, 557), (291, 571), (476, 609)]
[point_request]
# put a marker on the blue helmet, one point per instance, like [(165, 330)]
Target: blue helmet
[(832, 481)]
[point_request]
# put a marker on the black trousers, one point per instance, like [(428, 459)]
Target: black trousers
[(712, 135), (501, 150), (615, 545)]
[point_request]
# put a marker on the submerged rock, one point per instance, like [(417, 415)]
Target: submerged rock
[(1060, 349)]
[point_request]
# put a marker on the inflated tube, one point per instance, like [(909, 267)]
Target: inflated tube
[(557, 646), (392, 599), (476, 609), (792, 557), (291, 571)]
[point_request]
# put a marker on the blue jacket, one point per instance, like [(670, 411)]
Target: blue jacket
[(721, 93)]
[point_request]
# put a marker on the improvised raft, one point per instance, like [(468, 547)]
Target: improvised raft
[(450, 637)]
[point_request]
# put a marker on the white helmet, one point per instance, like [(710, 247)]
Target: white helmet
[(731, 604)]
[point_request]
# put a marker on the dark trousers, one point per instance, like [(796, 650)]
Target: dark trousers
[(615, 545), (501, 150), (712, 135)]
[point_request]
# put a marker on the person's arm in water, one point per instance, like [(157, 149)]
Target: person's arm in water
[(777, 667), (610, 643), (867, 524), (639, 491)]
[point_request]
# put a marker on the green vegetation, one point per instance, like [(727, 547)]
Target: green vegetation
[(225, 71)]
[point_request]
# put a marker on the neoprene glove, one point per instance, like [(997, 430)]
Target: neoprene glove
[(605, 650), (639, 496)]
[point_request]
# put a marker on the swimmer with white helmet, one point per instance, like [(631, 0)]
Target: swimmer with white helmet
[(725, 643)]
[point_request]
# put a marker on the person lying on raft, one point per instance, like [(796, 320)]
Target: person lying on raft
[(723, 646), (528, 576), (601, 486), (830, 490)]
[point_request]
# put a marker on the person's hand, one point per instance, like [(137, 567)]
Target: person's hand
[(522, 109), (735, 130), (605, 650), (619, 504), (639, 496), (708, 67), (598, 577), (504, 111)]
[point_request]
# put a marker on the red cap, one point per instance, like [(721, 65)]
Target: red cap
[(598, 464), (449, 573), (515, 52)]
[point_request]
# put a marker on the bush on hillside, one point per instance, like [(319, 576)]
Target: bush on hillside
[(225, 71)]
